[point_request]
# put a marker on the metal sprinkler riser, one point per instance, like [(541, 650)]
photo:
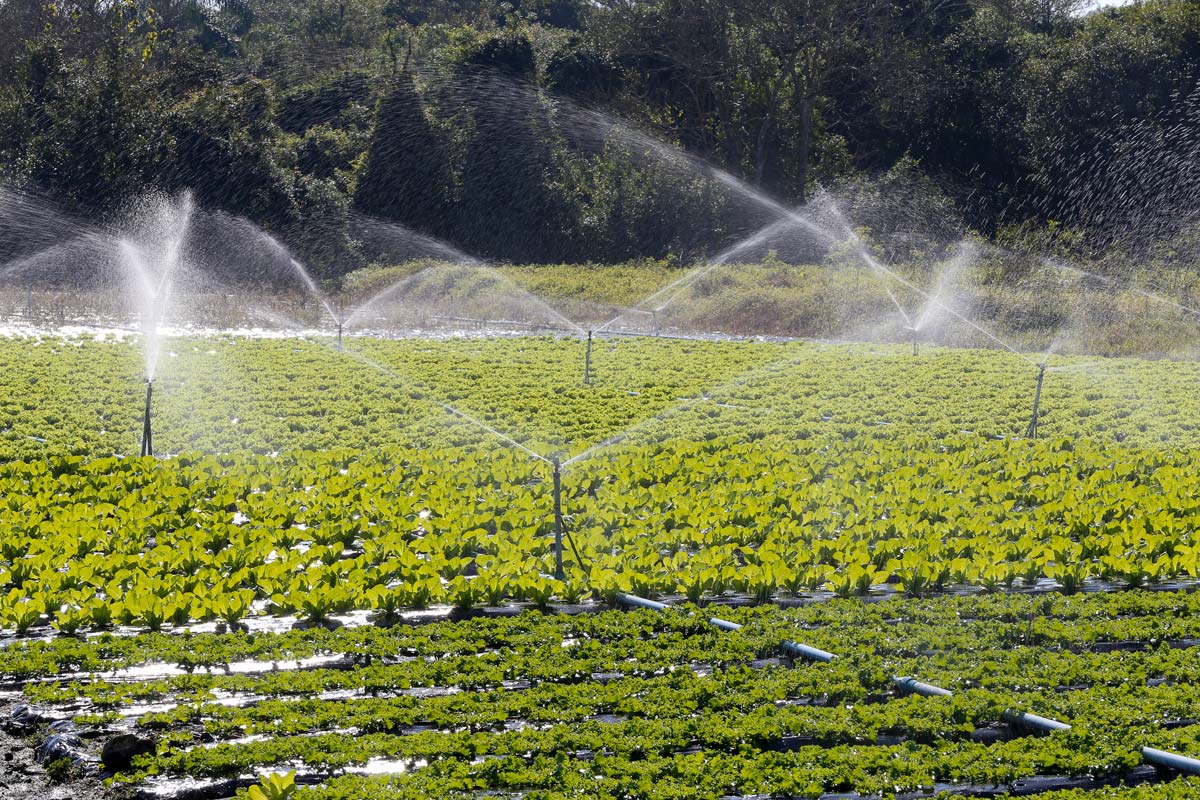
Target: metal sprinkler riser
[(587, 362), (1031, 431), (147, 430), (558, 522)]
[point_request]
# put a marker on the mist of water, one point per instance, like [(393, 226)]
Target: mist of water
[(384, 241), (458, 293), (152, 266), (428, 397), (307, 280), (947, 278)]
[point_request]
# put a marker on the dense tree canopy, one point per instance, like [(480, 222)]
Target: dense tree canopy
[(573, 130)]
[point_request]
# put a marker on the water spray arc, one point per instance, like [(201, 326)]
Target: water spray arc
[(1031, 431), (555, 462), (151, 280)]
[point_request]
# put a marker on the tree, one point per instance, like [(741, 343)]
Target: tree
[(797, 49), (407, 173), (1040, 16), (512, 205), (217, 144), (676, 58)]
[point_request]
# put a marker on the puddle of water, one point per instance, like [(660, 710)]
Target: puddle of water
[(388, 766), (163, 788), (158, 670)]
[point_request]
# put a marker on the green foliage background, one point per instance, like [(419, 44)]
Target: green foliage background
[(487, 124)]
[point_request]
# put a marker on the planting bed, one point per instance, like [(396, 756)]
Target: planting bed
[(646, 704), (336, 572)]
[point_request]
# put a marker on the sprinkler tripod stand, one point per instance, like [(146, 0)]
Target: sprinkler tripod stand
[(560, 530), (1031, 431), (147, 431)]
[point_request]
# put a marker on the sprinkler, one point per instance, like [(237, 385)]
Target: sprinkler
[(147, 432), (587, 362), (916, 351), (654, 319), (339, 345), (1031, 431), (558, 522)]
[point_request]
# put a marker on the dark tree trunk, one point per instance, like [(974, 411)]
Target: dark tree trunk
[(805, 144)]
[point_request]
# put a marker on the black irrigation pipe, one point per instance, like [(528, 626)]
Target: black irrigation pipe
[(908, 684), (794, 648), (1161, 758)]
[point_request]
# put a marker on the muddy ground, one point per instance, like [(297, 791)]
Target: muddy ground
[(23, 778)]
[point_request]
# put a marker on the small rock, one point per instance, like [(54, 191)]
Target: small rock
[(119, 751)]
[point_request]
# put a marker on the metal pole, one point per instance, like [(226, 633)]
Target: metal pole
[(147, 432), (914, 338), (654, 318), (339, 336), (558, 525), (587, 362), (1031, 431)]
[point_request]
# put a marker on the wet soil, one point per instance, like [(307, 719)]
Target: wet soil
[(23, 778)]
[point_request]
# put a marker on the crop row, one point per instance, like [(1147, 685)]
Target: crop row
[(77, 396), (113, 541), (663, 782), (827, 742), (614, 693), (965, 629)]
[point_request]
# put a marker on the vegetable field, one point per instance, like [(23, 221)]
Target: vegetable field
[(342, 565)]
